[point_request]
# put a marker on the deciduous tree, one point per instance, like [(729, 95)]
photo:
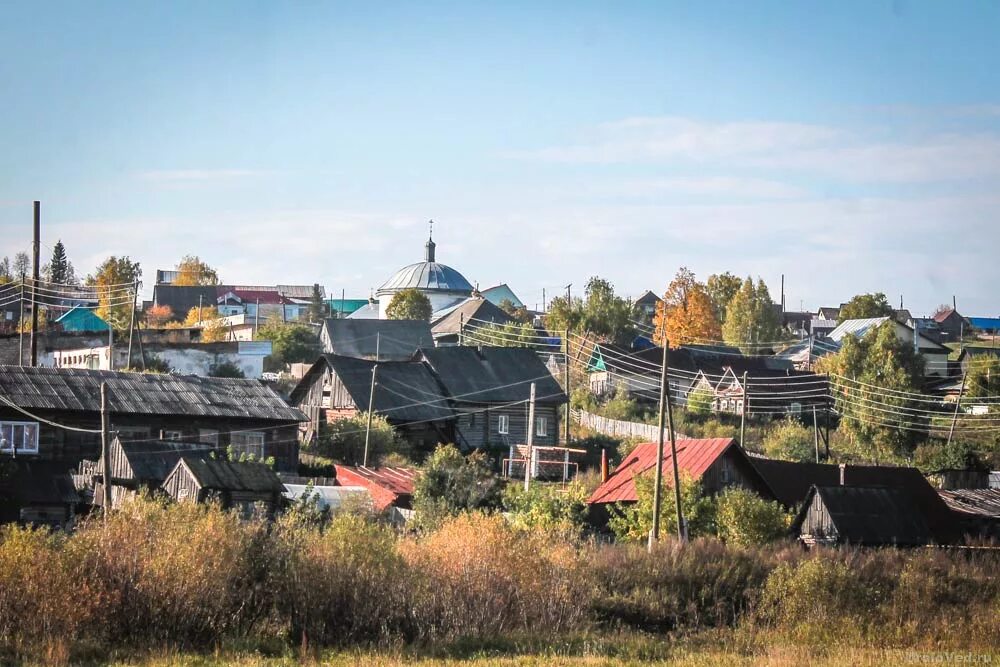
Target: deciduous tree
[(409, 304), (192, 271), (111, 279), (864, 306), (722, 287), (606, 314), (452, 483), (290, 343), (158, 316), (686, 314), (22, 265), (751, 318)]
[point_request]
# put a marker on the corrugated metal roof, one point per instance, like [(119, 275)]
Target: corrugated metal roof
[(979, 502), (493, 374), (427, 276), (472, 312), (871, 515), (387, 485), (856, 328), (143, 394), (694, 456), (152, 461), (392, 340), (985, 323), (218, 475)]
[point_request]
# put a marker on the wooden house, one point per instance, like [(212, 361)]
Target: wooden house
[(37, 493), (976, 510), (145, 464), (405, 393), (244, 414), (860, 516), (240, 485), (469, 315), (489, 388), (952, 325), (377, 340), (770, 392)]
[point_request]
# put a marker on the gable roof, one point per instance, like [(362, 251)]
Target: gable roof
[(869, 515), (694, 456), (493, 374), (79, 390), (217, 475), (79, 318), (392, 340), (943, 315), (498, 293), (152, 461), (405, 391), (857, 328), (387, 485), (473, 312), (650, 297), (980, 503)]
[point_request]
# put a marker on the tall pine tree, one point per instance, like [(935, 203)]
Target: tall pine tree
[(60, 270)]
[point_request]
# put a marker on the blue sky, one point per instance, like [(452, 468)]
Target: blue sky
[(852, 146)]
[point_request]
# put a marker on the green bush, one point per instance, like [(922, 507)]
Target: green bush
[(547, 507), (789, 440), (746, 519), (699, 401), (633, 521), (451, 483), (344, 440)]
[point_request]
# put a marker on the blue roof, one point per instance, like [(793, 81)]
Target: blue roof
[(985, 323), (81, 319)]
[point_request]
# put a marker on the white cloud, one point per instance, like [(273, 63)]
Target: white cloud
[(197, 177), (710, 186)]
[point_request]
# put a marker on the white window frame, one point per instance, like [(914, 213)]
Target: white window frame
[(542, 427), (250, 443), (795, 408), (175, 436), (29, 437), (503, 424)]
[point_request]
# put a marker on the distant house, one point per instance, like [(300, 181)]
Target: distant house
[(500, 293), (647, 304), (381, 340), (860, 515), (489, 388), (986, 325), (145, 464), (244, 414), (81, 319), (331, 498), (466, 317), (952, 325), (828, 313), (718, 463), (38, 493), (971, 357), (405, 393), (181, 298), (818, 328), (388, 486), (238, 485), (935, 354), (770, 392), (341, 308), (205, 359)]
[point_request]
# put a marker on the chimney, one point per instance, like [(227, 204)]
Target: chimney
[(604, 465), (843, 474)]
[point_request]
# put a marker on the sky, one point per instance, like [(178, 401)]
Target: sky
[(850, 146)]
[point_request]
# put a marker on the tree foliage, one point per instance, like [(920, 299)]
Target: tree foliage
[(789, 440), (699, 401), (751, 318), (318, 309), (983, 378), (409, 304), (877, 372), (601, 312), (745, 519), (290, 343), (722, 287), (113, 275), (633, 522), (864, 306), (550, 508), (158, 316), (226, 369), (192, 271), (59, 269), (5, 271), (686, 314), (519, 313), (452, 483), (22, 265), (512, 334), (344, 440)]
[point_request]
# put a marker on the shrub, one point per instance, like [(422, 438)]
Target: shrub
[(746, 519), (699, 401), (790, 441), (226, 369), (344, 440), (634, 521), (452, 483), (547, 507)]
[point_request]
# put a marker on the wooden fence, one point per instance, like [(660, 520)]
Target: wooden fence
[(618, 428)]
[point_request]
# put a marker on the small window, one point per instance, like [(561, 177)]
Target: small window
[(173, 435), (209, 436), (796, 408), (250, 443), (183, 493), (541, 426), (503, 424), (22, 435)]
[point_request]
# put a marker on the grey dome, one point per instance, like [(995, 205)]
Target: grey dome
[(427, 276)]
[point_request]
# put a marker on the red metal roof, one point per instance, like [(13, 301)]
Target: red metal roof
[(694, 456), (387, 485)]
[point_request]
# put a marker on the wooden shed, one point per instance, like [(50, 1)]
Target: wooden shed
[(235, 484), (861, 515), (145, 464)]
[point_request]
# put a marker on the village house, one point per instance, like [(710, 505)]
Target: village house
[(935, 354), (240, 485), (80, 319), (406, 393), (976, 510), (952, 325), (645, 306), (377, 340), (489, 388), (243, 414), (144, 465), (469, 315)]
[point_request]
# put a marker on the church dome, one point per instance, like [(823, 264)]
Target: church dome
[(428, 275)]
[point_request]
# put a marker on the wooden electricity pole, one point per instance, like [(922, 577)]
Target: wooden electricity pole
[(105, 451), (815, 434), (666, 421), (958, 405), (531, 438), (131, 326), (569, 393), (743, 412), (371, 410), (33, 341)]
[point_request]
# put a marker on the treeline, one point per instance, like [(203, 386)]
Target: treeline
[(194, 578)]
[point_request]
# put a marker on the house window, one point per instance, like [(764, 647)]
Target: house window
[(795, 408), (183, 493), (541, 426), (503, 424), (173, 435), (22, 435), (209, 436), (250, 443)]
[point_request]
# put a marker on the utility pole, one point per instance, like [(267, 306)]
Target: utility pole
[(543, 300), (34, 283), (105, 453), (131, 325), (200, 316), (666, 421), (371, 410), (378, 345), (569, 296), (461, 328), (958, 405), (531, 438), (569, 393), (20, 328), (743, 412), (343, 298), (815, 434)]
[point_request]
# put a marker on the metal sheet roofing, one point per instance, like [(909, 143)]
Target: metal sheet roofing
[(387, 485), (856, 328), (391, 340), (427, 276), (870, 515), (694, 456), (152, 461), (473, 312), (985, 323), (218, 475), (331, 497), (493, 374), (978, 502), (79, 390)]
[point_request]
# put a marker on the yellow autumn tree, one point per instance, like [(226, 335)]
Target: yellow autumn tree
[(686, 314)]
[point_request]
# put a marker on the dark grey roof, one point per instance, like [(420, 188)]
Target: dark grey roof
[(31, 482), (218, 475), (79, 390), (427, 276), (152, 461), (405, 391), (871, 515), (493, 374), (473, 313), (396, 340), (182, 298)]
